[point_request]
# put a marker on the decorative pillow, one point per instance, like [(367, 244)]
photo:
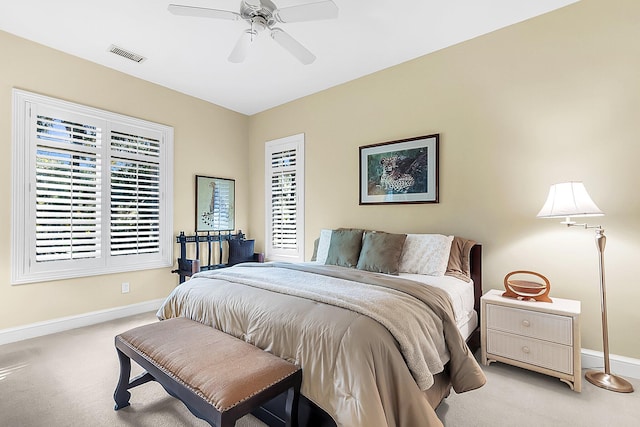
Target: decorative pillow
[(323, 246), (240, 251), (344, 248), (459, 265), (425, 254), (315, 249), (381, 252)]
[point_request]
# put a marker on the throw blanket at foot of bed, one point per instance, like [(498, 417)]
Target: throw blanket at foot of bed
[(218, 377), (369, 344)]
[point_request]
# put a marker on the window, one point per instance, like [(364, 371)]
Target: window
[(91, 191), (284, 178)]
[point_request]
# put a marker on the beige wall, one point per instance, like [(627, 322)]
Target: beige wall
[(552, 99), (209, 140)]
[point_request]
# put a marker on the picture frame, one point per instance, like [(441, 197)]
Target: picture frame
[(215, 203), (401, 171)]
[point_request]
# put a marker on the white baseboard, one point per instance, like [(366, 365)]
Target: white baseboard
[(624, 366), (38, 329)]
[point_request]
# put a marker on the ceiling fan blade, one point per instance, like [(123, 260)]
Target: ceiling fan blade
[(326, 9), (241, 49), (178, 9), (293, 46)]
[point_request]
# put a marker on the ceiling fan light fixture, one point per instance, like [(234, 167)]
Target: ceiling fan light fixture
[(258, 24)]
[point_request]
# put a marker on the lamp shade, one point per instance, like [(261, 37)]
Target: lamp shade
[(568, 199)]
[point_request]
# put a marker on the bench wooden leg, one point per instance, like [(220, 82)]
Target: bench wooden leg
[(121, 395), (293, 396)]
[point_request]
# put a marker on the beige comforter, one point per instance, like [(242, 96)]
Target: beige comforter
[(367, 343)]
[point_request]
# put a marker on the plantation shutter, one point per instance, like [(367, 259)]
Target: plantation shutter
[(67, 186), (91, 191), (135, 193), (285, 199)]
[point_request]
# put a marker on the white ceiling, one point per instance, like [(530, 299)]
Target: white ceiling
[(189, 54)]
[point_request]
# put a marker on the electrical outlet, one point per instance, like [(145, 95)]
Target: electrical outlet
[(125, 287)]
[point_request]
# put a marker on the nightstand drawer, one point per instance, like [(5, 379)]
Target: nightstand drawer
[(543, 326), (528, 350)]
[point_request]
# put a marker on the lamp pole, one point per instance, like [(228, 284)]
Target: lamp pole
[(605, 379)]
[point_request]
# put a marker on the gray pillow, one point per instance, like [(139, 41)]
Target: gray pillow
[(381, 252), (315, 249), (344, 248)]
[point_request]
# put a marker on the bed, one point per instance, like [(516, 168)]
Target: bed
[(380, 323)]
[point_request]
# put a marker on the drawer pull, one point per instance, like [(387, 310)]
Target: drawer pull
[(526, 323), (526, 350)]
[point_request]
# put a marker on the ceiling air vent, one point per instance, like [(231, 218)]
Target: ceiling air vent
[(126, 54)]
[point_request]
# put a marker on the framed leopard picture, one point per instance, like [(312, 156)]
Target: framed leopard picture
[(402, 171)]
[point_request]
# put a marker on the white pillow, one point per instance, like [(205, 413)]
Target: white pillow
[(323, 246), (425, 254)]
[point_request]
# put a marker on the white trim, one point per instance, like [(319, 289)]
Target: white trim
[(61, 324), (620, 365)]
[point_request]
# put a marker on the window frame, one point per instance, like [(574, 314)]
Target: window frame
[(24, 268), (296, 142)]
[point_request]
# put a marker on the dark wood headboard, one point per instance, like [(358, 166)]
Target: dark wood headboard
[(476, 275)]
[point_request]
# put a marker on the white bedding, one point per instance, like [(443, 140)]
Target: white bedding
[(460, 292)]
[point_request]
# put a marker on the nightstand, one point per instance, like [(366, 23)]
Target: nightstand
[(539, 336)]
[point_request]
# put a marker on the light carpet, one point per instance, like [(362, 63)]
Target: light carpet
[(68, 379)]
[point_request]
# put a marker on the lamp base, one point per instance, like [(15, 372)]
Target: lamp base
[(609, 381)]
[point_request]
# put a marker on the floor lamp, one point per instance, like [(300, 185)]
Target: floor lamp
[(568, 200)]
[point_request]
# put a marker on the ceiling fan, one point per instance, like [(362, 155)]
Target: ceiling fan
[(263, 15)]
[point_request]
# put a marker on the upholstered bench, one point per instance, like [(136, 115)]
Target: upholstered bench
[(218, 377)]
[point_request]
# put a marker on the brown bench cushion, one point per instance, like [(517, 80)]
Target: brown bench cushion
[(222, 369)]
